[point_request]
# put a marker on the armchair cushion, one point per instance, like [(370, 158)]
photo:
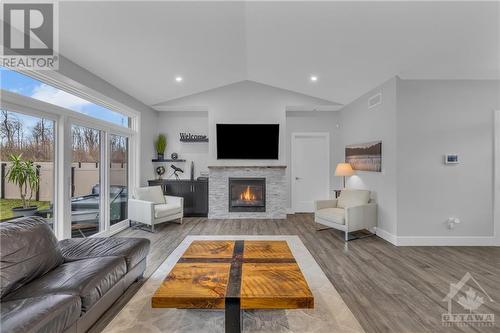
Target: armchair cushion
[(335, 215), (166, 209), (320, 204), (152, 194), (350, 198)]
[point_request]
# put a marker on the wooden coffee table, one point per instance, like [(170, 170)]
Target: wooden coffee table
[(235, 275)]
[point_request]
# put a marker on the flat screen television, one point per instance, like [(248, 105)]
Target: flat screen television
[(248, 141)]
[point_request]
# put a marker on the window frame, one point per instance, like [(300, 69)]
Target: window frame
[(16, 108), (64, 119), (119, 226)]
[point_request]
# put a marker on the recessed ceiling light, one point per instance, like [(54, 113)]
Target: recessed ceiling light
[(178, 79), (314, 78)]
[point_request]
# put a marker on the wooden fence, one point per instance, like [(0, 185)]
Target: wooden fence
[(84, 176)]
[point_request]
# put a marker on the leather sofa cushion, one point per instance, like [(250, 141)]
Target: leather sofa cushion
[(351, 198), (163, 210), (335, 215), (28, 249), (43, 314), (88, 278), (152, 194), (133, 250)]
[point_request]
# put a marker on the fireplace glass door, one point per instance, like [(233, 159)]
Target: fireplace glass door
[(247, 194)]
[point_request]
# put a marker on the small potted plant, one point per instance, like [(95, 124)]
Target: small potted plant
[(161, 144), (24, 175)]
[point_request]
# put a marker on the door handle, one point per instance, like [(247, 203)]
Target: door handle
[(297, 178)]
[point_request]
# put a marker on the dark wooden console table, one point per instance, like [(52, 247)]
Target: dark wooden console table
[(194, 192)]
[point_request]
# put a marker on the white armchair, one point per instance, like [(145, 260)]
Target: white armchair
[(149, 206), (352, 211)]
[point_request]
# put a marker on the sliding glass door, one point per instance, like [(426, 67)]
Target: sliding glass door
[(118, 178), (86, 215)]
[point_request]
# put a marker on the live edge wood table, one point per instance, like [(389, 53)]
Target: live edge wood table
[(235, 275)]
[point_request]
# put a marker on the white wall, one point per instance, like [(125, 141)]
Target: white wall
[(360, 124), (436, 117), (419, 121), (307, 121), (171, 124), (241, 102), (147, 151), (245, 102)]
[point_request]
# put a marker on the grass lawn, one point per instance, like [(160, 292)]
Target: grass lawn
[(7, 204)]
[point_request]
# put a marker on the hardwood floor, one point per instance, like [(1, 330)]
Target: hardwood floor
[(388, 288)]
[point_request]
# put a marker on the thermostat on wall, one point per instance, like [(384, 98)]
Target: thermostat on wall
[(451, 159)]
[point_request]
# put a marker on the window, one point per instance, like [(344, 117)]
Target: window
[(85, 181), (31, 139), (84, 166), (27, 86)]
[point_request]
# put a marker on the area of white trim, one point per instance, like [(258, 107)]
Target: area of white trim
[(119, 227), (436, 240), (391, 238), (496, 182), (59, 81), (23, 104), (445, 241), (185, 108), (313, 108)]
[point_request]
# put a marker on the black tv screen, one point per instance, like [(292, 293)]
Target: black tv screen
[(248, 141)]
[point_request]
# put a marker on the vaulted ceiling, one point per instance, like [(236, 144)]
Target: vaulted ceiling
[(141, 47)]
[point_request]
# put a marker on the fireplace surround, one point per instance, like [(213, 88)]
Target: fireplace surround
[(247, 194), (218, 191)]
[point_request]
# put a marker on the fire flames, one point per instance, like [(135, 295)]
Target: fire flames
[(247, 195)]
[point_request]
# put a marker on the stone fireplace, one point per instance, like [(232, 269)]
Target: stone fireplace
[(247, 192)]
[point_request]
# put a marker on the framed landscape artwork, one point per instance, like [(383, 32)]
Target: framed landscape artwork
[(365, 156)]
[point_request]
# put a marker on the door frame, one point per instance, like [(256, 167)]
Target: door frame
[(294, 136), (496, 175)]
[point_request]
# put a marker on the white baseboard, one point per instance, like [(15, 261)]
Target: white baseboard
[(437, 240), (446, 241), (290, 211), (387, 236)]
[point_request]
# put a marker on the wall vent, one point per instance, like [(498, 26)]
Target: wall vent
[(375, 100)]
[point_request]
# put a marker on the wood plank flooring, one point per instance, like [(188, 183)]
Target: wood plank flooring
[(388, 288)]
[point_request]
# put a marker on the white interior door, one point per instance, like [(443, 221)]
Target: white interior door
[(310, 169)]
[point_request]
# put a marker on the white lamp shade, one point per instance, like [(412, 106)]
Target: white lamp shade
[(344, 169)]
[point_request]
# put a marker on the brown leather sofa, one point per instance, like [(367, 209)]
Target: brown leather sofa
[(50, 286)]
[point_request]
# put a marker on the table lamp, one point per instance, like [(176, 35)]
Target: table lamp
[(343, 170)]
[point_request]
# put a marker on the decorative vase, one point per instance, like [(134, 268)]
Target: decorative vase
[(174, 156), (160, 156)]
